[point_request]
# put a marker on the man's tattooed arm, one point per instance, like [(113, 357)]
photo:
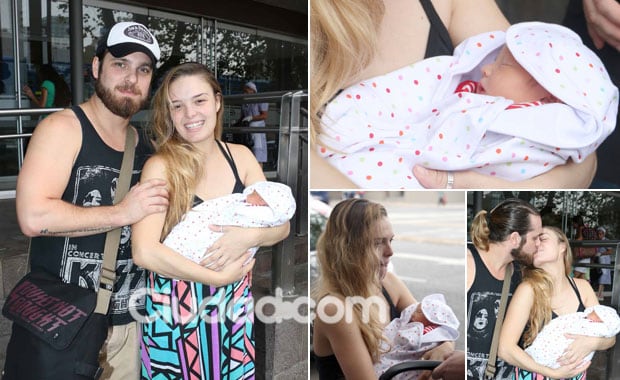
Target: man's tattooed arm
[(78, 232)]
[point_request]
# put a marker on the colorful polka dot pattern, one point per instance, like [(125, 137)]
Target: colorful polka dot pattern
[(377, 130), (192, 237), (551, 342), (556, 57)]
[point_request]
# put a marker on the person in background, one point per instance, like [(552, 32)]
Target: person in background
[(255, 114), (65, 190), (54, 90), (583, 255), (603, 255)]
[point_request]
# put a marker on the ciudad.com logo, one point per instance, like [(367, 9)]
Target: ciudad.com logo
[(268, 309)]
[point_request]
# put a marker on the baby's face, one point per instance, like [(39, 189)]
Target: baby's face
[(594, 317), (255, 199), (507, 78), (418, 316)]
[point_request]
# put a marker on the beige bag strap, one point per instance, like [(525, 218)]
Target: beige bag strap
[(113, 237), (489, 372)]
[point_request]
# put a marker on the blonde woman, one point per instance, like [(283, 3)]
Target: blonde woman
[(353, 41), (189, 303), (548, 291), (353, 253)]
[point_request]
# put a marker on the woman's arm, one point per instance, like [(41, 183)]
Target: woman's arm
[(325, 176), (148, 252), (39, 102), (236, 241), (346, 342), (568, 176), (487, 15), (512, 329)]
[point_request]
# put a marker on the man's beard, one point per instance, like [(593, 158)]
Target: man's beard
[(521, 257), (123, 107)]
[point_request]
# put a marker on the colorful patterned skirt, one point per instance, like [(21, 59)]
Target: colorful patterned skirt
[(523, 374), (197, 332)]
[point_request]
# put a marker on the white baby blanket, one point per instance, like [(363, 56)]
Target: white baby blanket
[(406, 340), (550, 343), (375, 131), (191, 236)]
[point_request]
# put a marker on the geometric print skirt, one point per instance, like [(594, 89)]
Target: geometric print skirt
[(523, 374), (197, 332)]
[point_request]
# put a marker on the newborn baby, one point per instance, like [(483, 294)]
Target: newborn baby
[(419, 328), (262, 204), (550, 343)]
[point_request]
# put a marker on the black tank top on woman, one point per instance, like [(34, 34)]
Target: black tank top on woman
[(439, 42), (328, 366), (239, 186), (581, 306)]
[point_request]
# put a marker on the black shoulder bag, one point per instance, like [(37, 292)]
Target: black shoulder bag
[(60, 328)]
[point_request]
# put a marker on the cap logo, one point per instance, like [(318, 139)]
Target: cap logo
[(140, 33)]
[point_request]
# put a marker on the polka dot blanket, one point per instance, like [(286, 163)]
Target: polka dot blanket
[(407, 339), (375, 131), (191, 237), (551, 342)]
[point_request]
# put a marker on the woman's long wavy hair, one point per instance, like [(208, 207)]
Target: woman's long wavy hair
[(512, 215), (348, 262), (343, 40), (183, 161), (542, 286)]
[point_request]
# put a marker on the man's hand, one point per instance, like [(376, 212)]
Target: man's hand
[(144, 198)]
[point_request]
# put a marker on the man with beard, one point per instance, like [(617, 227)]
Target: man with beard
[(77, 152), (510, 232)]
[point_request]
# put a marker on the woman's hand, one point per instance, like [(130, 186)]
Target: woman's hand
[(234, 242), (567, 371), (235, 270), (28, 91), (569, 175), (578, 349)]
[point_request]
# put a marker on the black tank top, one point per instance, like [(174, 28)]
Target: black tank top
[(483, 299), (92, 182), (239, 186), (581, 306), (439, 42), (328, 366)]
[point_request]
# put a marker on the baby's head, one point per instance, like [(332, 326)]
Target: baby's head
[(255, 199), (505, 77), (593, 317), (556, 58), (418, 316)]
